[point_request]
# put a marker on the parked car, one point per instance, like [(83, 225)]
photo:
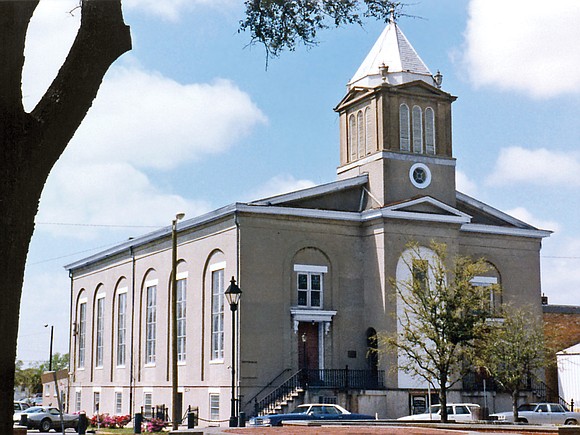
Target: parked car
[(540, 413), (45, 418), (19, 407), (315, 411), (455, 412)]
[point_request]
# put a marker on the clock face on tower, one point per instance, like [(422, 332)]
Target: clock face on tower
[(420, 175)]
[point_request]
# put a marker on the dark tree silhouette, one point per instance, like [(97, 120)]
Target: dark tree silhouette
[(32, 142)]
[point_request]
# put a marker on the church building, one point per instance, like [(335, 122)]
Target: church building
[(314, 267)]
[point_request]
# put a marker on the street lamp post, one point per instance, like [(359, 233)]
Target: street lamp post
[(175, 411), (51, 340), (233, 295)]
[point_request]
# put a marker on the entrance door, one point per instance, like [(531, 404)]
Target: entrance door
[(308, 357)]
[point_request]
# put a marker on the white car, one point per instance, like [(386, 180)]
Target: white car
[(19, 408), (540, 413), (455, 412)]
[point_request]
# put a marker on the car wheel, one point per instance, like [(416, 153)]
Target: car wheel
[(45, 425), (522, 421), (571, 421)]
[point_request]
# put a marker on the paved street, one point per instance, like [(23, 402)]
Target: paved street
[(383, 430)]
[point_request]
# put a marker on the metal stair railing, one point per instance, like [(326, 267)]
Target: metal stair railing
[(292, 386)]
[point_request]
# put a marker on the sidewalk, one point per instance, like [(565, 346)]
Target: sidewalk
[(386, 428)]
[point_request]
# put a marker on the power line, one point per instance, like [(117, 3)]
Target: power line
[(97, 225)]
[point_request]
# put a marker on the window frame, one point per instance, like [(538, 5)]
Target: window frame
[(417, 129), (430, 137), (100, 331), (150, 322), (121, 328), (217, 277), (82, 333), (181, 314), (214, 406), (404, 128), (310, 271)]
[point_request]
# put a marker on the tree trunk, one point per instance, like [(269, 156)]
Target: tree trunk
[(515, 395), (443, 399), (31, 143)]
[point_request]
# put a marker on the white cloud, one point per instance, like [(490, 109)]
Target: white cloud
[(45, 297), (280, 184), (106, 194), (525, 215), (51, 33), (561, 270), (140, 121), (524, 45), (539, 166), (155, 122), (464, 184)]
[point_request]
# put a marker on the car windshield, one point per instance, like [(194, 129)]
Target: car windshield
[(434, 409), (34, 409), (300, 410), (527, 407)]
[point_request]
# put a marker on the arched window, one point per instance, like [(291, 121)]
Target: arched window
[(352, 142), (429, 131), (361, 134), (404, 131), (81, 328), (368, 130), (417, 129)]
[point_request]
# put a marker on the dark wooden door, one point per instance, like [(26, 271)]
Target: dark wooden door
[(308, 345)]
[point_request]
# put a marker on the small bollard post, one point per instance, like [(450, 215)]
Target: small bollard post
[(137, 422), (190, 419), (242, 419), (83, 423)]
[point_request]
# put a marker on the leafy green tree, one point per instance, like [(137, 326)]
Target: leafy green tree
[(282, 24), (30, 377), (440, 315), (513, 350), (32, 142)]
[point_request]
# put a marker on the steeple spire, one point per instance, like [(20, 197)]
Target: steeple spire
[(392, 60)]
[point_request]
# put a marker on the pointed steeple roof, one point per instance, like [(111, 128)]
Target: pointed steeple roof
[(392, 50)]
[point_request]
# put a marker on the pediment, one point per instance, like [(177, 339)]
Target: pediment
[(353, 96), (419, 87), (426, 207)]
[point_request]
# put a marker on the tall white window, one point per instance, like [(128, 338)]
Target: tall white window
[(352, 137), (78, 401), (96, 401), (368, 130), (121, 328), (82, 333), (361, 134), (118, 402), (417, 129), (151, 324), (310, 283), (217, 314), (100, 331), (214, 406), (181, 316), (429, 131), (404, 128)]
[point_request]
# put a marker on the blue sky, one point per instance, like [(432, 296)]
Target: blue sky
[(191, 120)]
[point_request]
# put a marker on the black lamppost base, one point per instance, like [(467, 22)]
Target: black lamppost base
[(233, 422)]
